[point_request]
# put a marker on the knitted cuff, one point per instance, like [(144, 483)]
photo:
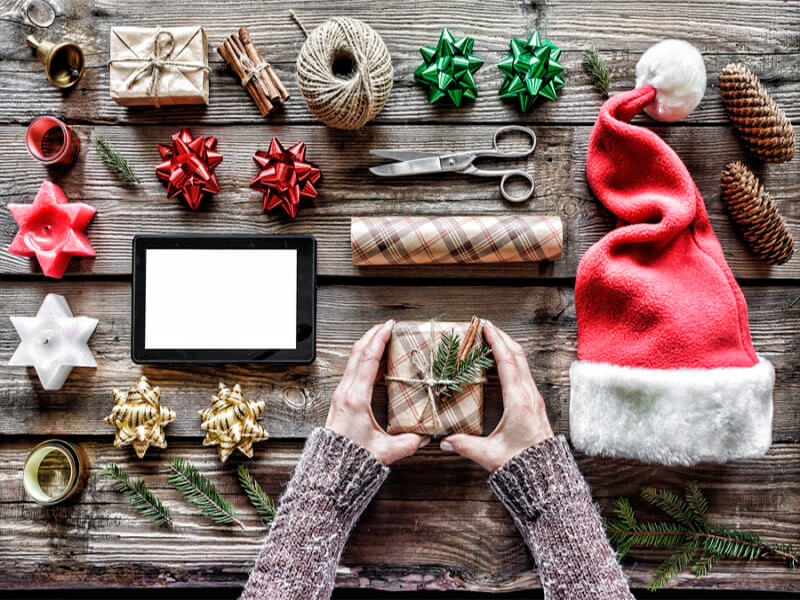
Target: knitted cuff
[(542, 474), (342, 472)]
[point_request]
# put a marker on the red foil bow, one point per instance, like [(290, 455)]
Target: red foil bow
[(285, 177), (188, 167)]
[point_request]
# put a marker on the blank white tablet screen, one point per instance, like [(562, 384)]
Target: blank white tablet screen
[(221, 299)]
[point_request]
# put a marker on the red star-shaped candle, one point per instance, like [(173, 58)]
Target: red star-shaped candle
[(285, 176), (51, 229), (188, 167)]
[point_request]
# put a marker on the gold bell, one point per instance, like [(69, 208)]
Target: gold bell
[(63, 61)]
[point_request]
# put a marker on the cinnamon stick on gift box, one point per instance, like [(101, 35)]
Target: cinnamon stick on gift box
[(256, 74)]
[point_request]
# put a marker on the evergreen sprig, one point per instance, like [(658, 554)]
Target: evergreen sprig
[(596, 68), (446, 365), (115, 161), (689, 532), (137, 493), (258, 497), (198, 490)]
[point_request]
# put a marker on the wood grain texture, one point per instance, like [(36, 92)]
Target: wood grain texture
[(763, 35), (435, 525), (348, 189), (542, 319), (447, 530)]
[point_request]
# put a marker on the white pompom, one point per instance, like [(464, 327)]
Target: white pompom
[(677, 71)]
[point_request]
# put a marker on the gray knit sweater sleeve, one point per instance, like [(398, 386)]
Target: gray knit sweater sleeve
[(551, 506), (332, 484)]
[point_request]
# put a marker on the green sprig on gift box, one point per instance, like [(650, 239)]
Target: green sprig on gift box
[(531, 71), (447, 69)]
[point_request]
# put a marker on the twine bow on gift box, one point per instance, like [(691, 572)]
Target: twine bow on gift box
[(426, 365), (163, 46)]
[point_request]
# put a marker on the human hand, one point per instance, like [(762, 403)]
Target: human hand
[(350, 413), (524, 422)]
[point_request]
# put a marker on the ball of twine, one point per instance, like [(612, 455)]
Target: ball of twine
[(350, 100)]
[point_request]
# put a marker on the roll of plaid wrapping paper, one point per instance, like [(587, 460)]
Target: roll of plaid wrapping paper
[(379, 241)]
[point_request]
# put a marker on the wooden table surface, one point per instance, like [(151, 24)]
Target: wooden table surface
[(435, 524)]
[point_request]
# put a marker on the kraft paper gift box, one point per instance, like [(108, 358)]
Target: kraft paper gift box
[(159, 66), (411, 408)]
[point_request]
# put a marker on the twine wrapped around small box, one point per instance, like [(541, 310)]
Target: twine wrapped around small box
[(157, 66), (414, 405)]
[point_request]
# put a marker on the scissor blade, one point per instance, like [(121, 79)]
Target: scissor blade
[(402, 154), (409, 167)]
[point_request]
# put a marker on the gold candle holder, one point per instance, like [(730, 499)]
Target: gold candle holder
[(54, 471)]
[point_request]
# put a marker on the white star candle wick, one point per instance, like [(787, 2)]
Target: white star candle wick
[(53, 342)]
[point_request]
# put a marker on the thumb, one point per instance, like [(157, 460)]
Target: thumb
[(473, 447), (403, 445)]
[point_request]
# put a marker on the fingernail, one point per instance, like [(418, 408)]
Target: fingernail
[(424, 442), (446, 446), (390, 323)]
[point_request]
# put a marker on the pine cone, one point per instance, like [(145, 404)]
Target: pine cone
[(764, 127), (756, 214)]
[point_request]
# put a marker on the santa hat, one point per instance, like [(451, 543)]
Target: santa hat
[(666, 369)]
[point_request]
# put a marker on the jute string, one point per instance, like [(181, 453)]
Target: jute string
[(344, 103), (424, 365), (163, 45), (250, 71)]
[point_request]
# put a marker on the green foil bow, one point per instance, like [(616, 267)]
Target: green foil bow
[(531, 71), (447, 69)]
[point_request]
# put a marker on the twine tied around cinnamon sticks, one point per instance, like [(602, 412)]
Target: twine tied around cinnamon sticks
[(163, 47), (255, 73), (424, 365)]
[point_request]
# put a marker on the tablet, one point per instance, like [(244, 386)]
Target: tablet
[(212, 299)]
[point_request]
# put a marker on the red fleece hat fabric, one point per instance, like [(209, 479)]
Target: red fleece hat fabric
[(656, 291), (666, 371)]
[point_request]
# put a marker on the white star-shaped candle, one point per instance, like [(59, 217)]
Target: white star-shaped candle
[(53, 342)]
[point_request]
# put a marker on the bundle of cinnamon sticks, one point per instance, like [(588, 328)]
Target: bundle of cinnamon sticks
[(255, 73)]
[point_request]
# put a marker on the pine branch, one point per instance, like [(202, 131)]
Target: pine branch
[(258, 497), (115, 161), (671, 504), (597, 70), (689, 531), (673, 565), (697, 503), (447, 366), (140, 498), (469, 369), (201, 492), (705, 563)]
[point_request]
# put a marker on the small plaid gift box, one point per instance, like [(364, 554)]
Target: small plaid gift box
[(413, 405)]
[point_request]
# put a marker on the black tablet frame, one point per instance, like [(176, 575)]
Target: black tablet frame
[(305, 351)]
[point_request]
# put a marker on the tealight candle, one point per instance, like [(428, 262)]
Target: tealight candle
[(53, 342), (52, 142), (54, 471), (51, 229)]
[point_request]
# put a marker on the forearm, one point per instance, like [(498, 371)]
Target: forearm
[(332, 484), (551, 506)]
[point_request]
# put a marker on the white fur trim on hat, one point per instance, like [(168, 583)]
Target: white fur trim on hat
[(671, 416)]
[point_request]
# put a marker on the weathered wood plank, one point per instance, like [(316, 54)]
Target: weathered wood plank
[(761, 34), (447, 529), (542, 319), (347, 189)]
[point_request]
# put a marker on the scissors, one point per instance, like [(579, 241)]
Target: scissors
[(417, 163)]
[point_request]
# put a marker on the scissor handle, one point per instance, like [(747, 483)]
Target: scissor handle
[(515, 153), (522, 197)]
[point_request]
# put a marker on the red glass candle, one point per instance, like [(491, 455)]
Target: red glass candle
[(52, 142), (51, 229)]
